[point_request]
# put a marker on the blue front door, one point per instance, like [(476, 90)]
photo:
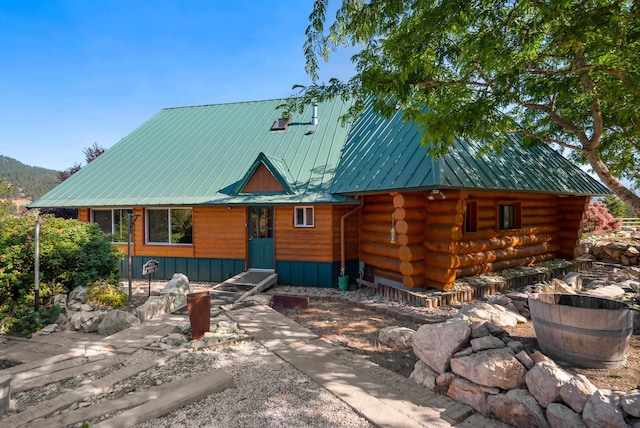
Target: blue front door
[(261, 237)]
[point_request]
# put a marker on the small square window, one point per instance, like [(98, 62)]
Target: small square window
[(303, 217), (509, 216)]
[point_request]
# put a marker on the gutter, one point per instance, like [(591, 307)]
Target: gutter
[(342, 238)]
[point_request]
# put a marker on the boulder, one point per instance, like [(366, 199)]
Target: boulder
[(175, 339), (522, 308), (607, 292), (179, 284), (577, 391), (544, 381), (525, 359), (435, 344), (486, 342), (468, 393), (423, 375), (78, 295), (155, 305), (87, 321), (117, 320), (494, 367), (573, 280), (630, 402), (614, 250), (516, 346), (603, 409), (59, 299), (443, 381), (632, 252), (560, 416), (495, 314), (485, 328), (396, 337), (518, 408)]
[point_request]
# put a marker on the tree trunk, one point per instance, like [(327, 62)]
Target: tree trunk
[(625, 195)]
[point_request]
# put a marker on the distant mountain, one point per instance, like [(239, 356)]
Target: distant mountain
[(29, 182)]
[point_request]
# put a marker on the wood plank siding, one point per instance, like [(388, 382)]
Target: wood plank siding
[(433, 247)]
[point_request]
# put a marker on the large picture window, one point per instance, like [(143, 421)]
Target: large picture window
[(303, 217), (169, 226), (113, 221)]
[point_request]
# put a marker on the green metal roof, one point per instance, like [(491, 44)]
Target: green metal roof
[(386, 155), (203, 154)]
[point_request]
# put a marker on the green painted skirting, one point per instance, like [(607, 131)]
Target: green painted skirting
[(307, 274), (205, 270)]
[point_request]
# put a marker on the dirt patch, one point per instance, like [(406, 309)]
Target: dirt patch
[(356, 329)]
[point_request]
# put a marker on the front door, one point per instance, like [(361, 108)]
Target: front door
[(260, 237)]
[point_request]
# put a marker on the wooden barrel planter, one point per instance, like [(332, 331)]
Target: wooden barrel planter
[(586, 331)]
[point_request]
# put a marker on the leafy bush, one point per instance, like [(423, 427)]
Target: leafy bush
[(72, 253), (106, 294), (598, 219), (22, 320)]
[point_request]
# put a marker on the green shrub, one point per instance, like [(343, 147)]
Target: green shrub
[(22, 320), (103, 294), (72, 253)]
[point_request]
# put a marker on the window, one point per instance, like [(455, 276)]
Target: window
[(114, 222), (509, 216), (471, 217), (303, 217), (169, 226)]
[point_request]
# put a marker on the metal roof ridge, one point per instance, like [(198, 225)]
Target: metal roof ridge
[(223, 104)]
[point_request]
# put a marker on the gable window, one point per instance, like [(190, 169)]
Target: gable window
[(471, 217), (509, 216), (113, 222), (303, 217), (169, 226)]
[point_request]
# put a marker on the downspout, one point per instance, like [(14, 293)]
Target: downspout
[(344, 216)]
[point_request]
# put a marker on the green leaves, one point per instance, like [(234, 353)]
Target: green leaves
[(561, 72)]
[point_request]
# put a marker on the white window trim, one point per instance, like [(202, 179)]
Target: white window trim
[(112, 209), (304, 209), (146, 226)]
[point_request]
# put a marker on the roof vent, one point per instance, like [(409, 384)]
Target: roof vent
[(314, 116)]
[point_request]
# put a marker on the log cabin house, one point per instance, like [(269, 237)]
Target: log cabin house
[(215, 190)]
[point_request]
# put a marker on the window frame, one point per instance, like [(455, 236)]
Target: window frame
[(169, 226), (304, 209), (471, 216), (112, 210), (516, 214)]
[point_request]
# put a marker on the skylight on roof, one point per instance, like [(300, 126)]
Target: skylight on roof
[(280, 125)]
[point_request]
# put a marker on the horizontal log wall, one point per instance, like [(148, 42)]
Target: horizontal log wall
[(570, 213), (351, 232), (314, 244), (219, 232), (84, 214)]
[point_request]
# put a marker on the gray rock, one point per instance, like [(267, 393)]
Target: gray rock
[(544, 381), (573, 280), (59, 299), (632, 252), (495, 314), (86, 308), (485, 328), (560, 416), (494, 367), (577, 391), (155, 305), (516, 346), (630, 402), (87, 321), (518, 296), (607, 292), (486, 342), (175, 339), (396, 337), (48, 329), (423, 375), (179, 284), (443, 381), (518, 408), (522, 308), (435, 344), (525, 359), (603, 409), (117, 320), (464, 353), (78, 295), (468, 393)]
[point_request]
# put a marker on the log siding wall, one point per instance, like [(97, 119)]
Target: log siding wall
[(433, 249)]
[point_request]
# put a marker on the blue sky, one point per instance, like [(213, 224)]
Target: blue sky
[(75, 72)]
